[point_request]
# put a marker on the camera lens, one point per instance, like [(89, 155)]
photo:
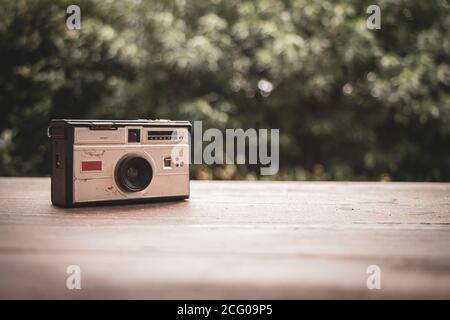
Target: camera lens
[(133, 173)]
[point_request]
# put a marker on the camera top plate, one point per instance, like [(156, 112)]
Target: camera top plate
[(112, 124)]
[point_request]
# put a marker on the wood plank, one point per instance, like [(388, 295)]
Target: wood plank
[(231, 240)]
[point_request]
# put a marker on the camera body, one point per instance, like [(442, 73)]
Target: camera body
[(118, 161)]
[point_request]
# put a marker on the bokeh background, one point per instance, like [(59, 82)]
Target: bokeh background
[(350, 103)]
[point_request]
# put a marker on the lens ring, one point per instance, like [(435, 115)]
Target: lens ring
[(133, 173)]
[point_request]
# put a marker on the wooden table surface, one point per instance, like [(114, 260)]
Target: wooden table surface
[(231, 240)]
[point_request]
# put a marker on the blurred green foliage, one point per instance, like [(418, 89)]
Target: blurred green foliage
[(350, 103)]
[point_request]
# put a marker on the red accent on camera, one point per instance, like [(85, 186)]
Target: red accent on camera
[(91, 166)]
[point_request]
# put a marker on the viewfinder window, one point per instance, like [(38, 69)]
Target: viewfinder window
[(134, 135)]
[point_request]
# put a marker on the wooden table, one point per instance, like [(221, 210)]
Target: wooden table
[(231, 240)]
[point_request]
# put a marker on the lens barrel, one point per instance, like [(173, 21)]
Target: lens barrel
[(133, 173)]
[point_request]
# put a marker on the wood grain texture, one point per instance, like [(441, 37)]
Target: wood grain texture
[(231, 240)]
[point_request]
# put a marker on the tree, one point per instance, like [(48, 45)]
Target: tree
[(351, 103)]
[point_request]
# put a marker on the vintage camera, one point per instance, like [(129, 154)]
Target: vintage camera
[(102, 161)]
